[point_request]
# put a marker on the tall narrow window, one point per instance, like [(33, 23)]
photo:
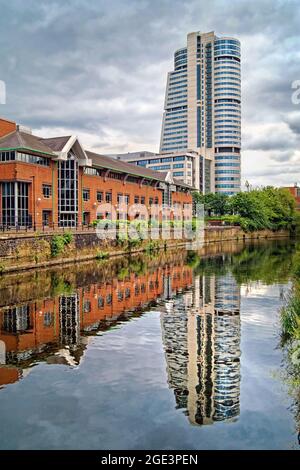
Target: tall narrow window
[(86, 195), (68, 191)]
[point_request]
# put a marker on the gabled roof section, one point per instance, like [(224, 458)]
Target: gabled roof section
[(22, 141), (66, 144), (56, 143), (169, 178)]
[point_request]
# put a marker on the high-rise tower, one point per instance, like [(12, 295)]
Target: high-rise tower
[(203, 110)]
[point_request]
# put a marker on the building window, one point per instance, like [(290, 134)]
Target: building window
[(178, 165), (119, 198), (68, 191), (86, 195), (7, 156), (16, 319), (15, 204), (92, 171), (120, 296), (100, 301), (136, 199), (86, 306), (99, 196), (108, 299), (48, 319), (47, 191), (179, 159), (136, 290), (86, 218), (142, 200), (126, 198), (26, 158), (108, 197), (150, 201), (156, 200), (127, 293), (46, 218)]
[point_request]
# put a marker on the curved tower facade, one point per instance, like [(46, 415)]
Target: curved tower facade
[(203, 110), (227, 115)]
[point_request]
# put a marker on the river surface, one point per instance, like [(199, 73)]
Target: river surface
[(172, 351)]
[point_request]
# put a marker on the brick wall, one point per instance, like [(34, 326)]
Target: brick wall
[(6, 127)]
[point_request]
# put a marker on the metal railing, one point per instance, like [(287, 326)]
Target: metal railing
[(44, 228)]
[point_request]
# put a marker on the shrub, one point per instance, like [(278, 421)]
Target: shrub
[(152, 246), (68, 238), (58, 243), (102, 255), (133, 243)]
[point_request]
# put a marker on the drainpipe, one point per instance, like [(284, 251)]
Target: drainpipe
[(54, 165), (16, 203)]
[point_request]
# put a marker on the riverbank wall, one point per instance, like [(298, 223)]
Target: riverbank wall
[(24, 251)]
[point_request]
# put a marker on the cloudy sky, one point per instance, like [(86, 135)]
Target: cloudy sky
[(98, 69)]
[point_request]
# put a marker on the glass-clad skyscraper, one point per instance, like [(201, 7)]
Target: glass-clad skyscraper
[(202, 110)]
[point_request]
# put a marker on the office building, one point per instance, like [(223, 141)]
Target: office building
[(202, 110), (181, 165), (56, 182)]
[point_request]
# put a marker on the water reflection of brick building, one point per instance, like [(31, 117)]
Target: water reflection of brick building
[(201, 335), (54, 330)]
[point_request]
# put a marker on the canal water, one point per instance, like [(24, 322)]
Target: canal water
[(165, 351)]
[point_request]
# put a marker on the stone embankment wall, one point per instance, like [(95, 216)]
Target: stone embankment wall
[(27, 251)]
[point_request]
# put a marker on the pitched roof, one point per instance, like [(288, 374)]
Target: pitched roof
[(56, 143), (118, 165), (136, 170), (23, 141)]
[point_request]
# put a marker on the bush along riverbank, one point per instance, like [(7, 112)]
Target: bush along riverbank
[(290, 337), (268, 208)]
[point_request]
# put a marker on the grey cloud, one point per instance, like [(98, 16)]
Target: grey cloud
[(268, 141), (293, 120), (282, 156), (98, 67), (281, 170)]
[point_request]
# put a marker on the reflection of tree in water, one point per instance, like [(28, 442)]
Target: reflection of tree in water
[(267, 262)]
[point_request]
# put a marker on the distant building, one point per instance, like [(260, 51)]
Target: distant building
[(295, 192), (181, 165)]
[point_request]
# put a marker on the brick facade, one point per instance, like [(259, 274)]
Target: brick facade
[(42, 320), (34, 161)]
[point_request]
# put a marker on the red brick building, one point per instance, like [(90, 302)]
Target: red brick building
[(56, 182), (44, 327), (295, 192)]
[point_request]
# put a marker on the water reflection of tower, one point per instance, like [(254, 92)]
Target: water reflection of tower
[(174, 331), (202, 339), (69, 320)]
